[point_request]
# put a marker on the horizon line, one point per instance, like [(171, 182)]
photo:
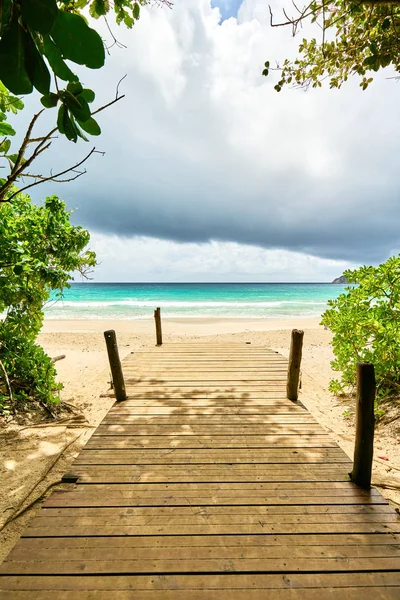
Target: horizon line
[(207, 282)]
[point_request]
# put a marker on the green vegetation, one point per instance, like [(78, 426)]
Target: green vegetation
[(365, 322), (354, 38), (39, 251)]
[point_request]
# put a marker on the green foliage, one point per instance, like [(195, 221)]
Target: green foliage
[(37, 37), (365, 322), (356, 39), (39, 251), (8, 104)]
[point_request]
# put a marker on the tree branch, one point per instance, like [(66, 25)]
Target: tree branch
[(43, 143), (8, 385), (54, 177), (25, 142)]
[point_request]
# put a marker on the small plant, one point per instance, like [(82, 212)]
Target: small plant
[(365, 322), (39, 251)]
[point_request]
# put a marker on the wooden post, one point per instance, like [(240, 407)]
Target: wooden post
[(364, 445), (115, 365), (292, 387), (157, 318)]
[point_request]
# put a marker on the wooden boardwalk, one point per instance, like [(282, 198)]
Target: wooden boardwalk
[(207, 483)]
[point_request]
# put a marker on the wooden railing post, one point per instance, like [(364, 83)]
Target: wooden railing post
[(293, 376), (365, 425), (157, 318), (115, 365)]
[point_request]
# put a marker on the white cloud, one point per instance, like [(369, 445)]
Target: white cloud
[(145, 259)]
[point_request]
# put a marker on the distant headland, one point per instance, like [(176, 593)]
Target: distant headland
[(341, 279)]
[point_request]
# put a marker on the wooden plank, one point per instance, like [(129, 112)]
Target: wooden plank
[(304, 541), (138, 500), (213, 420), (228, 522), (226, 581), (229, 513), (152, 457), (190, 429), (207, 406), (211, 368), (182, 565), (20, 553), (229, 487), (202, 391), (225, 470), (378, 593), (221, 441), (246, 455), (90, 476), (191, 510), (105, 529)]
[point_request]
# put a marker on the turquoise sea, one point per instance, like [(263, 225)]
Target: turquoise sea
[(194, 300)]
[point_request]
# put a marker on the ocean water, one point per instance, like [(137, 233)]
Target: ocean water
[(224, 300)]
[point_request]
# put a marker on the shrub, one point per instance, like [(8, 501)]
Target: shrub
[(39, 251), (365, 321)]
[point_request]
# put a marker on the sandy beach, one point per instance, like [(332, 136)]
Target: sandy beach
[(34, 457)]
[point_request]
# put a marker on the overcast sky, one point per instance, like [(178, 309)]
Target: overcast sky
[(210, 175)]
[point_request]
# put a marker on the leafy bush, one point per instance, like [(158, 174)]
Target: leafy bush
[(39, 251), (365, 322)]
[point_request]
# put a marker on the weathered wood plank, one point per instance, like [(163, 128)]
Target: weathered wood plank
[(391, 593), (217, 441), (182, 565), (194, 429), (96, 500), (20, 553), (81, 529), (224, 541)]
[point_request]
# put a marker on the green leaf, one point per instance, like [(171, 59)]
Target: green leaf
[(75, 87), (60, 119), (5, 146), (12, 158), (39, 15), (5, 14), (77, 41), (80, 133), (91, 127), (49, 100), (53, 55), (128, 20), (36, 67), (136, 10), (99, 8), (69, 127), (6, 129), (78, 106), (88, 95), (12, 60)]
